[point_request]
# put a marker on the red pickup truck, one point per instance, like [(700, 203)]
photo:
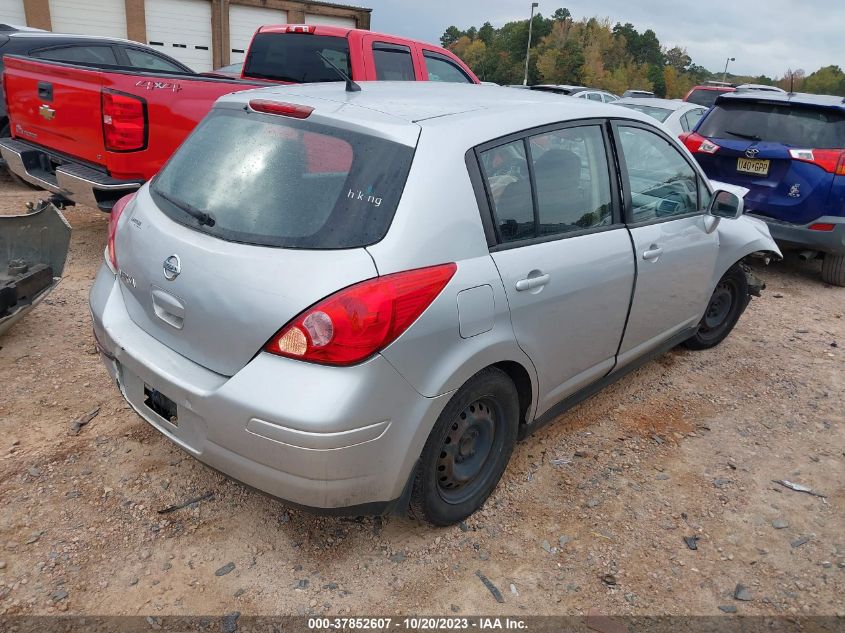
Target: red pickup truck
[(92, 135)]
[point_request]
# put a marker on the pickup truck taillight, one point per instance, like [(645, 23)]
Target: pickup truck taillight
[(124, 121), (116, 212)]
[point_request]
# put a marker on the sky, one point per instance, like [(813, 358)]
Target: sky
[(765, 36)]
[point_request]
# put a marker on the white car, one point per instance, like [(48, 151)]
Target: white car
[(678, 116)]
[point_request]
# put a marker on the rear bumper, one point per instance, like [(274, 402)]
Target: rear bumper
[(800, 237), (75, 181), (338, 440)]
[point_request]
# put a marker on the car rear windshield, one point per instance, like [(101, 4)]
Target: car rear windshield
[(798, 126), (276, 181), (295, 57), (661, 114), (705, 98)]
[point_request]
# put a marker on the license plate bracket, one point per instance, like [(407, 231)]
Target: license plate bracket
[(756, 166), (161, 405)]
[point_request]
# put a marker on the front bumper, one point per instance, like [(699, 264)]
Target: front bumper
[(72, 180), (800, 237), (343, 440)]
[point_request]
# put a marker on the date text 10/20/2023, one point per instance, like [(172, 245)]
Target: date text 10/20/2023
[(417, 624)]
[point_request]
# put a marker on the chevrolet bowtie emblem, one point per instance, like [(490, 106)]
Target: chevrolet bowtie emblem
[(47, 112)]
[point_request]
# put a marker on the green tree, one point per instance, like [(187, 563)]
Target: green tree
[(829, 80), (678, 59), (451, 35), (561, 14), (486, 33)]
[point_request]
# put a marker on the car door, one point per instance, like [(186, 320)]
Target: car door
[(390, 59), (675, 241), (562, 252)]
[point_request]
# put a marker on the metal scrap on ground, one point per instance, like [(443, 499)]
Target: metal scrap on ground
[(81, 421), (206, 497), (799, 488), (496, 593)]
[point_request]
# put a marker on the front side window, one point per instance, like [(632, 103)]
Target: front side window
[(274, 181), (90, 55), (393, 62), (572, 180), (441, 69), (148, 61), (662, 183)]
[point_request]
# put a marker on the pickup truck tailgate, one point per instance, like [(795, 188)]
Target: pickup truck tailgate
[(56, 106)]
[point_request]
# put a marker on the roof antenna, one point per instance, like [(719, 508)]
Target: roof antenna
[(351, 86)]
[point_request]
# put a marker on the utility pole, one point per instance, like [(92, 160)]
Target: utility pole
[(534, 5)]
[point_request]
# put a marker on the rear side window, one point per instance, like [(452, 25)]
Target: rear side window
[(295, 57), (691, 119), (661, 114), (571, 188), (393, 62), (275, 181), (795, 125), (442, 69), (148, 61), (95, 55)]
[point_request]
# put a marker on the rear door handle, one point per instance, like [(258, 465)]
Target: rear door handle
[(653, 252), (532, 282)]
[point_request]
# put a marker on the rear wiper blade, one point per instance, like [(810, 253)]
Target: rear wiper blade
[(750, 137), (201, 216)]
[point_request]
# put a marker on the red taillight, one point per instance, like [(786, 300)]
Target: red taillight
[(355, 323), (283, 109), (822, 226), (124, 121), (116, 212), (831, 160), (697, 144)]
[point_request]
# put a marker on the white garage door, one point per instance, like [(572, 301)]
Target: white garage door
[(181, 29), (329, 20), (11, 12), (92, 17), (243, 22)]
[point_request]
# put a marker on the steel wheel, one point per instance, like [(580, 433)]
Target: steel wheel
[(466, 451)]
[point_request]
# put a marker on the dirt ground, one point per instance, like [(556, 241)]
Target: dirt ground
[(590, 515)]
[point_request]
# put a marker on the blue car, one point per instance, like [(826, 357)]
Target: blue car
[(789, 151)]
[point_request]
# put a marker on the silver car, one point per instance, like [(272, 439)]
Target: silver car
[(679, 117), (358, 301)]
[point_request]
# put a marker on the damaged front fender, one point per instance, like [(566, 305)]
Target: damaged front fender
[(740, 238), (33, 251)]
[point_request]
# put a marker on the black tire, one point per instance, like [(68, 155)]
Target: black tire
[(833, 269), (6, 133), (481, 423), (726, 305)]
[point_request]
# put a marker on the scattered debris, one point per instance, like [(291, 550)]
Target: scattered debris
[(34, 537), (563, 540), (802, 540), (727, 608), (546, 546), (721, 483), (513, 590), (798, 488), (228, 567), (58, 595), (692, 542), (780, 524), (778, 295), (490, 586), (657, 438), (208, 496), (398, 557), (609, 580), (742, 593), (230, 622), (561, 461), (463, 526), (81, 421)]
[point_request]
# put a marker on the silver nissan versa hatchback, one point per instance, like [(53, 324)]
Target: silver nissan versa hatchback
[(358, 301)]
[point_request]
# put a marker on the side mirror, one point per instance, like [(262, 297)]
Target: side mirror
[(726, 204)]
